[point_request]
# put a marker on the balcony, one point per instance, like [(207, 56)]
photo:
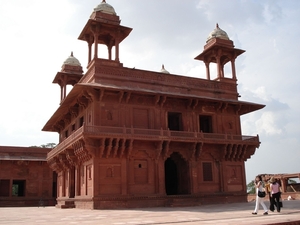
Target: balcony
[(151, 135)]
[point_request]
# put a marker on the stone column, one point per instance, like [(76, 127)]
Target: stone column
[(233, 69), (207, 71)]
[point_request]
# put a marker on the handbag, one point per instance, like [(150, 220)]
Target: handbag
[(261, 194)]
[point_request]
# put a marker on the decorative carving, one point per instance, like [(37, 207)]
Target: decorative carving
[(74, 111), (71, 157), (109, 115), (192, 103), (222, 106), (82, 101), (122, 148), (116, 147), (55, 164), (129, 147), (166, 148), (108, 147), (156, 99), (127, 96), (60, 125), (198, 152), (80, 151), (159, 148), (67, 118), (89, 95), (238, 108), (91, 146), (64, 161), (101, 94), (102, 147), (121, 96), (160, 100)]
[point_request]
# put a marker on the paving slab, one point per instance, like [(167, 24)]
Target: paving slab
[(233, 213)]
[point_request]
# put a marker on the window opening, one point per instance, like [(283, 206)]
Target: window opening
[(4, 188), (66, 133), (205, 124), (18, 188), (81, 120), (175, 121)]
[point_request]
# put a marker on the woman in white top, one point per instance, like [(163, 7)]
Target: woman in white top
[(259, 200), (275, 193)]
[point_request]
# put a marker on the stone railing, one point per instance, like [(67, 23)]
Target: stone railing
[(148, 134)]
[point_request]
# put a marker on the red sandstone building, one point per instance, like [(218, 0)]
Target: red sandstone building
[(25, 177), (136, 138)]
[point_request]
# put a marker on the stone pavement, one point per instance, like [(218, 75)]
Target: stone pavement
[(233, 213)]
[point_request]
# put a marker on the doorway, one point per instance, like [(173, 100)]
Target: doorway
[(177, 176)]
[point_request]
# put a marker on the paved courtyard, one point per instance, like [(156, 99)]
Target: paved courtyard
[(236, 213)]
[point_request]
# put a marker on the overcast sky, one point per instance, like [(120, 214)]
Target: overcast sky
[(37, 36)]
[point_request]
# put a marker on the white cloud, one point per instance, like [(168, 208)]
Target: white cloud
[(267, 124)]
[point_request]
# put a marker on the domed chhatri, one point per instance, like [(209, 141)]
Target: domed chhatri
[(217, 33), (163, 70), (72, 61), (105, 8)]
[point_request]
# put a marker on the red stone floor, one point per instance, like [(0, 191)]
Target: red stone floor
[(234, 213)]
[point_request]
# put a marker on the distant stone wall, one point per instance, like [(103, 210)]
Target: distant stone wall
[(284, 196), (293, 187)]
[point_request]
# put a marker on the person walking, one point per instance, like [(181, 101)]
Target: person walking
[(275, 193), (268, 192), (259, 200)]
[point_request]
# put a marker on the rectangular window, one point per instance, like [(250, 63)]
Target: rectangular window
[(18, 188), (207, 171), (175, 121), (205, 124), (73, 127), (4, 188), (81, 120), (66, 133)]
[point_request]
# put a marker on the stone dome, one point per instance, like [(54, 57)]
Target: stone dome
[(72, 61), (217, 33), (163, 70), (105, 8)]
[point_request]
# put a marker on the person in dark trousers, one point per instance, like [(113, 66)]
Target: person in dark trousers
[(268, 191), (275, 192)]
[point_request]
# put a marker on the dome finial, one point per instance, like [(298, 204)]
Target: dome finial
[(71, 60), (217, 33), (105, 8), (163, 70)]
